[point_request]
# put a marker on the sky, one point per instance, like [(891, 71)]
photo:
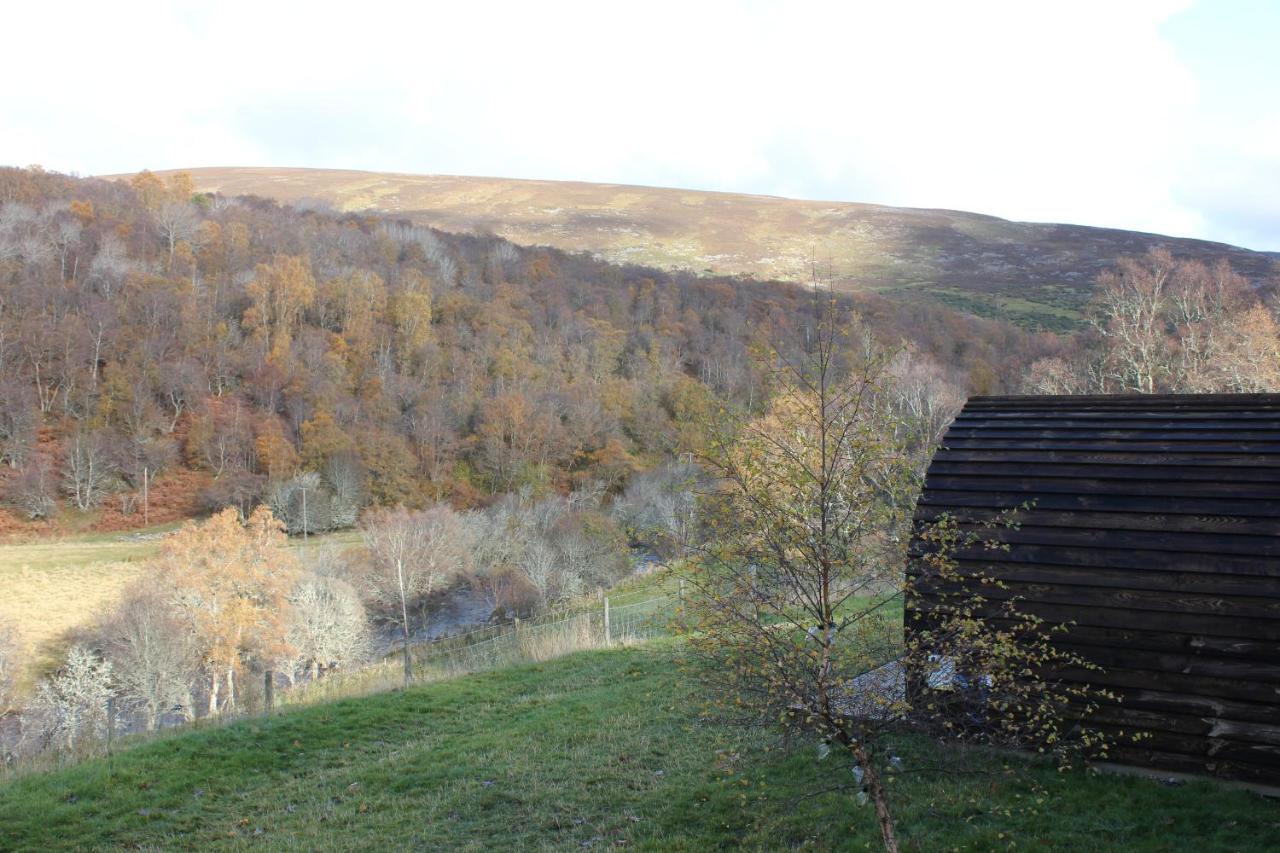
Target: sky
[(1155, 115)]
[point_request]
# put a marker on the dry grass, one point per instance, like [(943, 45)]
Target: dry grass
[(51, 589)]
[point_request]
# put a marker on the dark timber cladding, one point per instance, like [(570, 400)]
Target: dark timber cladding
[(1155, 527)]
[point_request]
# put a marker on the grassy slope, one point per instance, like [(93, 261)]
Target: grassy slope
[(594, 749), (1031, 273)]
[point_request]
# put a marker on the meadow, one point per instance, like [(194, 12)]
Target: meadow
[(596, 749)]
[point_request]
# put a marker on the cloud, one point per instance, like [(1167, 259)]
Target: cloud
[(1078, 112)]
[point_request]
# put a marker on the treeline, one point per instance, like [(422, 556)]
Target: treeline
[(1161, 324), (321, 363)]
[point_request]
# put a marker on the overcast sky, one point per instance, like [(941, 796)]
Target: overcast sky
[(1160, 116)]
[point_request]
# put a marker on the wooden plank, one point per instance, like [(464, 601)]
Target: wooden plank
[(1177, 541), (1158, 420), (1192, 686), (1160, 640), (1142, 402), (1203, 583), (1097, 615), (1115, 558), (1171, 486), (1192, 764), (1224, 461), (995, 443), (1239, 607), (995, 499), (1134, 521), (1113, 471), (1248, 437), (1211, 750), (1186, 664), (1208, 727), (1211, 707)]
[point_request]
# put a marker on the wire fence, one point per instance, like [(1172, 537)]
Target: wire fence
[(492, 647), (541, 638)]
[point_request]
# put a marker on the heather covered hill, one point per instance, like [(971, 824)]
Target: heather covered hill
[(1036, 274)]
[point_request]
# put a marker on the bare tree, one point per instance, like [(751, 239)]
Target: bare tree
[(34, 489), (177, 221), (924, 397), (540, 565), (346, 479), (71, 705), (19, 418), (411, 555), (153, 656), (327, 626), (1129, 312), (88, 473)]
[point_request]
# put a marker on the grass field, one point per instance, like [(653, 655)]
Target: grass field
[(592, 750)]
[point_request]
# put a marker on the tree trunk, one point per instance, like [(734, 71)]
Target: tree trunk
[(213, 694), (408, 663), (404, 621), (231, 687), (875, 787)]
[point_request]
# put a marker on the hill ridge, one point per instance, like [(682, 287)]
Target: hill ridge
[(1037, 274)]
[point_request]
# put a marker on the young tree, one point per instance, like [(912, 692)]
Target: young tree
[(803, 568), (411, 555)]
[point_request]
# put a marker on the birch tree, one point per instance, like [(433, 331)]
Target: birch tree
[(232, 583), (412, 554)]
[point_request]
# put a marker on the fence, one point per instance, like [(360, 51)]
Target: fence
[(522, 641)]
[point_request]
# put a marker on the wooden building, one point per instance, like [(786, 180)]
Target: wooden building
[(1156, 528)]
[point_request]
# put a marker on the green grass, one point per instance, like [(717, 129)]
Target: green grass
[(595, 749)]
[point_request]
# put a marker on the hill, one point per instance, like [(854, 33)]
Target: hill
[(1036, 274), (598, 749)]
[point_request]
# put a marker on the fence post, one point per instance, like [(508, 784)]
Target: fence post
[(682, 590), (268, 690), (608, 633), (111, 730)]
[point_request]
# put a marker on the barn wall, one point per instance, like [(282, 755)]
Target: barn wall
[(1156, 528)]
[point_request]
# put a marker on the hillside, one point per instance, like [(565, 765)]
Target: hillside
[(601, 749), (1033, 273)]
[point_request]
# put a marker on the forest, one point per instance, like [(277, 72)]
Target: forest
[(263, 352)]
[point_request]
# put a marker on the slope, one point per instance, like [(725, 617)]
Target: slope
[(1033, 273), (592, 750)]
